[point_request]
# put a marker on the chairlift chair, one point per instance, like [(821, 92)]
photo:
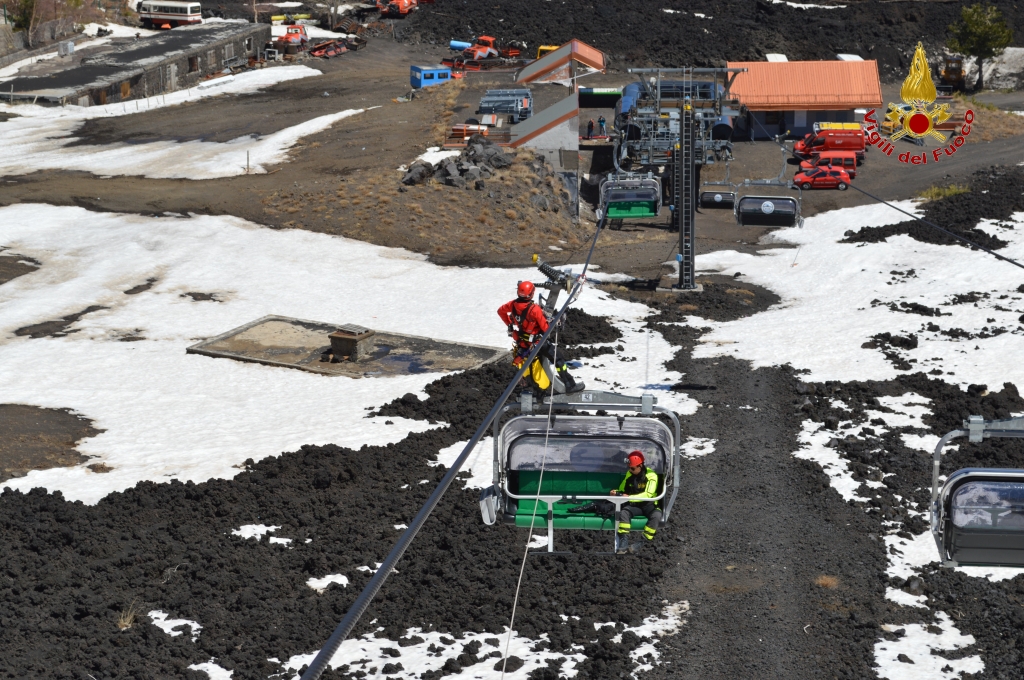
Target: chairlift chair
[(762, 210), (630, 196), (718, 200), (977, 518), (583, 459)]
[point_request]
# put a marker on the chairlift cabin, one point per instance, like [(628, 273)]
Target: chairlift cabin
[(718, 199), (630, 196), (545, 466), (767, 211), (761, 210), (977, 518)]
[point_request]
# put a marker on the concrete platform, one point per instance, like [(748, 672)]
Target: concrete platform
[(295, 343)]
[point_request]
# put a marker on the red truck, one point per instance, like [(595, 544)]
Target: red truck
[(831, 137)]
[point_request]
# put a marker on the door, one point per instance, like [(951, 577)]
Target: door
[(126, 90), (172, 78)]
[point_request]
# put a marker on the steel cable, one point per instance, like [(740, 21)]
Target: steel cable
[(362, 602), (533, 517)]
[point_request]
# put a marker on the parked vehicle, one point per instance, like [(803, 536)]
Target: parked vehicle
[(294, 40), (831, 137), (168, 13), (820, 178), (487, 47), (845, 160)]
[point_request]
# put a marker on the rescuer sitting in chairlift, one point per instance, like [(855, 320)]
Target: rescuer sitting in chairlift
[(640, 483), (526, 324)]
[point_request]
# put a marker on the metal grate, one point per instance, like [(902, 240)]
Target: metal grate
[(353, 329)]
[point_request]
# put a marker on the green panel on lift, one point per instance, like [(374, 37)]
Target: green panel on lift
[(632, 210)]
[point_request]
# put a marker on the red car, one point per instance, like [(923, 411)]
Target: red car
[(823, 178)]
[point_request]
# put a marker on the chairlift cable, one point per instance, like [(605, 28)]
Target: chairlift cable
[(919, 219), (533, 517), (942, 229), (319, 663)]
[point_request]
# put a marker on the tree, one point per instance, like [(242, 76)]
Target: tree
[(981, 33)]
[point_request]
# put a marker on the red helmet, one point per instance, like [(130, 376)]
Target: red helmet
[(635, 458), (525, 289)]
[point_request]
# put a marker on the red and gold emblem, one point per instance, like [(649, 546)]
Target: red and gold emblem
[(918, 116)]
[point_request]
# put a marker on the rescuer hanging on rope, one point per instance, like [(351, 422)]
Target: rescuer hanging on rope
[(526, 323), (639, 483)]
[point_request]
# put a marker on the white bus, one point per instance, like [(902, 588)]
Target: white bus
[(169, 13)]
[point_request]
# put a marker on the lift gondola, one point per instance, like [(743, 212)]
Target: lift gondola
[(977, 518), (582, 458)]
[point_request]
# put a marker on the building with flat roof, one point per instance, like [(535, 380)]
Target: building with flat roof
[(174, 60), (792, 96)]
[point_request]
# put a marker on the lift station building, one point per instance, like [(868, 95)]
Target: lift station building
[(174, 60), (792, 96)]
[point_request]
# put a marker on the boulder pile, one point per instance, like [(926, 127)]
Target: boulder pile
[(472, 167)]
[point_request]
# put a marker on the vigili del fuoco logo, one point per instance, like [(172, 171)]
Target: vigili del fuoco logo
[(917, 118)]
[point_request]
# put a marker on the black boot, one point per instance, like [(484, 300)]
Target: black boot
[(572, 386)]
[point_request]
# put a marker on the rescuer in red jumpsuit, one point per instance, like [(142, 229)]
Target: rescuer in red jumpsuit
[(526, 324)]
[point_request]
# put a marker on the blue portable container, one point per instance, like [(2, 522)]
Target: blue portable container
[(425, 76)]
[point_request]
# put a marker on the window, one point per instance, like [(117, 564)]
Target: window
[(428, 76), (442, 76), (772, 117), (194, 9), (193, 64), (248, 44), (229, 51)]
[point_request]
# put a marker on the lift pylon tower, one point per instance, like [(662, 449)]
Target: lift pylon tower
[(666, 130), (683, 199)]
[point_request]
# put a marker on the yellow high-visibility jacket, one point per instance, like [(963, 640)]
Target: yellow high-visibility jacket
[(641, 487)]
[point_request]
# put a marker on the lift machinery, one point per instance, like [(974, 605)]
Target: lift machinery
[(669, 124)]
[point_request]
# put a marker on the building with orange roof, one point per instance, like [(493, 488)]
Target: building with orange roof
[(791, 96)]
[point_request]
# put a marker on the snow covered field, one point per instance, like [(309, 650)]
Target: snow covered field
[(37, 136), (171, 415)]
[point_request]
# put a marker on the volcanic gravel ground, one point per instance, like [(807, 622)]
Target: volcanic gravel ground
[(70, 569), (991, 611), (642, 33), (994, 194)]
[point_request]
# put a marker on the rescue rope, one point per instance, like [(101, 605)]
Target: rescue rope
[(536, 502), (362, 602), (909, 214)]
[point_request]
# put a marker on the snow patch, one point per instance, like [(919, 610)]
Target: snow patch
[(320, 584), (168, 625), (918, 646), (212, 670), (253, 530), (696, 447)]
